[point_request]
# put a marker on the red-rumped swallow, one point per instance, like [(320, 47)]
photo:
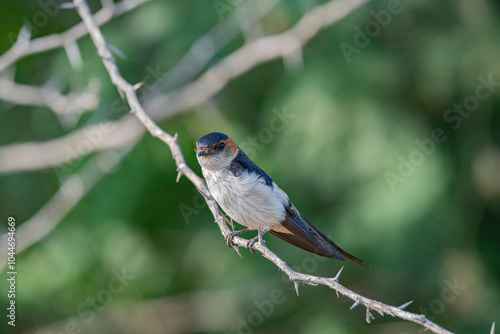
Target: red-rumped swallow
[(250, 197)]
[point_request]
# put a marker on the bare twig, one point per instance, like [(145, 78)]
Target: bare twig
[(207, 46), (250, 26), (93, 138), (171, 141), (25, 47), (262, 50), (63, 105)]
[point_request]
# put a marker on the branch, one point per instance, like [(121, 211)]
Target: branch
[(63, 105), (25, 47), (342, 6), (262, 50), (207, 46), (97, 137)]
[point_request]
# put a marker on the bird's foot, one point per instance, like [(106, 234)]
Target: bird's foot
[(231, 235), (229, 238), (252, 242)]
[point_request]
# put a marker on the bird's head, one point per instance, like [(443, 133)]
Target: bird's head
[(215, 151)]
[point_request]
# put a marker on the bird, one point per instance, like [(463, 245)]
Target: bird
[(249, 196)]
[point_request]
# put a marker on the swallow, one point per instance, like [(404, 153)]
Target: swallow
[(250, 197)]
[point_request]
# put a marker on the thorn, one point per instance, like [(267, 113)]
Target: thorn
[(493, 328), (67, 5), (10, 74), (380, 312), (402, 307), (296, 283), (105, 57), (122, 95), (24, 37), (294, 61), (107, 3), (26, 31), (116, 51), (175, 136), (369, 315), (237, 249), (336, 278), (138, 85), (229, 240), (179, 174), (74, 55), (355, 304)]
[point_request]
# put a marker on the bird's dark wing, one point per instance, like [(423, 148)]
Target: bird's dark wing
[(304, 235), (242, 163)]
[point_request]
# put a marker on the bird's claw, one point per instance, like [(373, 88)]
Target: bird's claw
[(229, 238), (252, 242)]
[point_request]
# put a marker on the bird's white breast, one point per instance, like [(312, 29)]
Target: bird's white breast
[(247, 199)]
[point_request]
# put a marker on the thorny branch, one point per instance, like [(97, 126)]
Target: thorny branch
[(114, 135), (128, 91)]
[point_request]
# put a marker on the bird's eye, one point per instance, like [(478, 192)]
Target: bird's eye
[(221, 146)]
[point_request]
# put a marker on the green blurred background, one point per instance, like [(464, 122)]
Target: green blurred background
[(429, 231)]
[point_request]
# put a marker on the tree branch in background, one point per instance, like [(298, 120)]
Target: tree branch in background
[(127, 89), (207, 46), (25, 47), (248, 56), (94, 138), (72, 104)]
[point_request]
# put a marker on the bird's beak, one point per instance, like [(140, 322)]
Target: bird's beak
[(200, 153)]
